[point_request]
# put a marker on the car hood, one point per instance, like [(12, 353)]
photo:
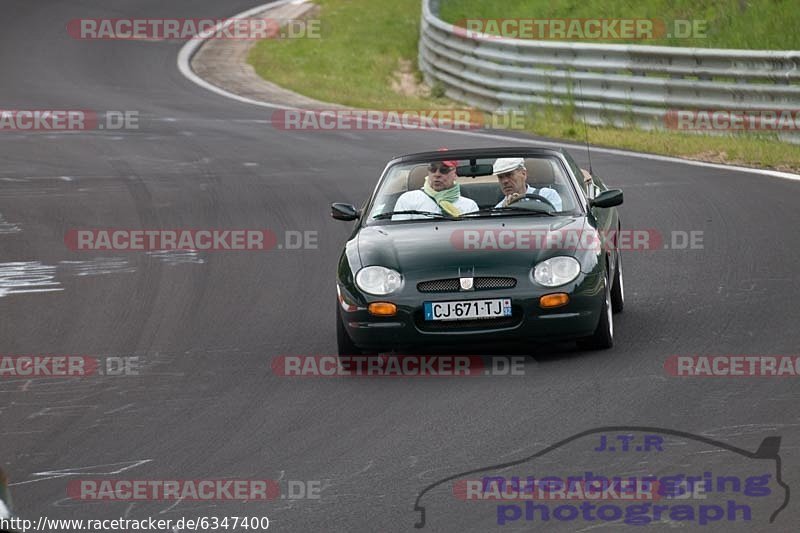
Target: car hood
[(441, 248)]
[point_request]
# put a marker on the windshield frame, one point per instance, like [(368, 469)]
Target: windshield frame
[(464, 155)]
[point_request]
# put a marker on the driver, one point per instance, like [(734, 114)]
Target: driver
[(512, 175), (440, 193)]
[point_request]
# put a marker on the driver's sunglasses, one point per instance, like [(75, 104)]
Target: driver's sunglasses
[(443, 169)]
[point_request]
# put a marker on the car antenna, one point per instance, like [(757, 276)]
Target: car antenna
[(585, 128)]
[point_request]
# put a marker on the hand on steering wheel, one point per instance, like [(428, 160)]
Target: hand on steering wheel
[(516, 197)]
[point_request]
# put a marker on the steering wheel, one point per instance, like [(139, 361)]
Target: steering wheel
[(534, 196)]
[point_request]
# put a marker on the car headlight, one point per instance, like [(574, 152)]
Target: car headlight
[(378, 280), (556, 271)]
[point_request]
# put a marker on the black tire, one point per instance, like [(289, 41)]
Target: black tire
[(618, 289), (603, 336)]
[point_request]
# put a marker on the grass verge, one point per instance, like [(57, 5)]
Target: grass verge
[(362, 46)]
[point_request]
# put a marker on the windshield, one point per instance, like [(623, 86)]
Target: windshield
[(535, 186)]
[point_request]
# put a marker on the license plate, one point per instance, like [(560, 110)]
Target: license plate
[(468, 309)]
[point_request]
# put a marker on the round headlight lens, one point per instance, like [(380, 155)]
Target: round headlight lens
[(556, 271), (378, 280)]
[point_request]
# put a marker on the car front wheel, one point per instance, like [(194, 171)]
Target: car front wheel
[(618, 290), (603, 336)]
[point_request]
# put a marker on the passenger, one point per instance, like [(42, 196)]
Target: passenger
[(439, 194)]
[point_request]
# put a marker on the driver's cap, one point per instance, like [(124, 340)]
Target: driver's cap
[(507, 164)]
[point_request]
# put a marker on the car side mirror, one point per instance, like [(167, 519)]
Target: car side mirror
[(341, 211), (609, 198)]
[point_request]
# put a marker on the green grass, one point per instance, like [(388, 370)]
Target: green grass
[(753, 24), (762, 151), (363, 42), (353, 61)]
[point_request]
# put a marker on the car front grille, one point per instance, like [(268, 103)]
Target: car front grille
[(454, 285)]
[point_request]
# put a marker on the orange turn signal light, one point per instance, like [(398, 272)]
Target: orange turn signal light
[(549, 301), (382, 309)]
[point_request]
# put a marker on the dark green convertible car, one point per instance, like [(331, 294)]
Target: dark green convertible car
[(462, 247)]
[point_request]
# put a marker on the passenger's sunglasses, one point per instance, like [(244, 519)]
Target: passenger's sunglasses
[(444, 169)]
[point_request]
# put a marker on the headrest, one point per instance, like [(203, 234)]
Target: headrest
[(416, 178), (540, 171)]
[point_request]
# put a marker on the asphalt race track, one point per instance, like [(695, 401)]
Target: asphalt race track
[(205, 327)]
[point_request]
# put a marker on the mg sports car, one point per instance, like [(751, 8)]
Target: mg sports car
[(461, 247)]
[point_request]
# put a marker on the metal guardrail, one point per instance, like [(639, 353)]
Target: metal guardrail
[(608, 84)]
